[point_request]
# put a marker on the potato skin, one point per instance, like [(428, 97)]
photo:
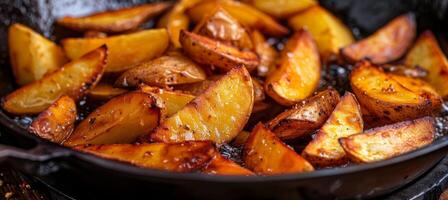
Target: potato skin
[(57, 122), (387, 44), (177, 157), (389, 141), (223, 166), (306, 116)]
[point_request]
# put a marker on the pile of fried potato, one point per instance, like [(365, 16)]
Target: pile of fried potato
[(170, 97)]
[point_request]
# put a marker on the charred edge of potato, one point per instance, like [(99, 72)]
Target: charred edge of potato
[(223, 166), (389, 141), (57, 122), (208, 51), (306, 116)]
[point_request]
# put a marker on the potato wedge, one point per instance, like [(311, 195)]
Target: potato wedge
[(389, 141), (222, 166), (223, 27), (392, 97), (385, 45), (73, 79), (403, 70), (210, 52), (241, 138), (162, 71), (57, 122), (121, 120), (324, 150), (244, 13), (178, 157), (104, 91), (328, 31), (124, 50), (173, 100), (264, 153), (266, 53), (218, 114), (298, 73), (32, 55), (306, 116), (282, 8), (426, 53), (95, 34), (114, 21)]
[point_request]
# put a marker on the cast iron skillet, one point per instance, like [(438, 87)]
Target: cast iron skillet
[(89, 177)]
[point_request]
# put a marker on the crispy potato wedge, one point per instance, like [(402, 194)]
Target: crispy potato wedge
[(162, 71), (57, 122), (121, 120), (114, 21), (385, 45), (346, 119), (403, 70), (306, 116), (178, 157), (173, 100), (264, 153), (244, 13), (389, 141), (266, 53), (282, 8), (218, 114), (391, 97), (32, 55), (124, 50), (426, 53), (104, 91), (73, 79), (211, 52), (241, 138), (328, 31), (222, 166), (298, 73), (223, 27)]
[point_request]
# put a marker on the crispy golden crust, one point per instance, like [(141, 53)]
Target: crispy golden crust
[(222, 166)]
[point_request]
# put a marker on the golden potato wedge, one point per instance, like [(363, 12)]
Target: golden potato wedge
[(73, 79), (173, 100), (298, 73), (222, 166), (244, 13), (210, 52), (385, 45), (178, 157), (392, 97), (218, 114), (282, 8), (223, 27), (113, 21), (32, 55), (104, 91), (264, 153), (162, 71), (389, 141), (95, 34), (403, 70), (57, 122), (121, 120), (306, 116), (266, 53), (328, 31), (241, 138), (427, 54), (124, 50), (324, 150)]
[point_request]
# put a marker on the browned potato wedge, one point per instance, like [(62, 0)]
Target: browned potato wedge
[(208, 51), (104, 91), (121, 120), (73, 80), (173, 100), (241, 138), (346, 119), (385, 45), (124, 50), (258, 90), (223, 27), (266, 53), (218, 114), (113, 21), (178, 157), (328, 31), (95, 34), (222, 166), (389, 141), (391, 97), (244, 13), (264, 153), (282, 8), (306, 116), (162, 71), (427, 54), (403, 70), (57, 122), (32, 56), (298, 73)]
